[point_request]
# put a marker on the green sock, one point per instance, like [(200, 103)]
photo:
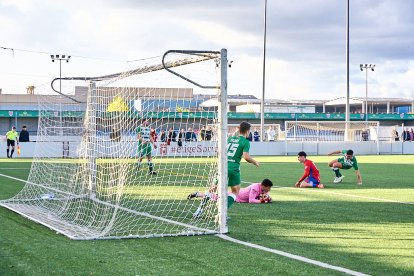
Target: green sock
[(337, 173), (231, 198)]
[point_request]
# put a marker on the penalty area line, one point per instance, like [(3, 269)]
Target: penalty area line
[(292, 256)]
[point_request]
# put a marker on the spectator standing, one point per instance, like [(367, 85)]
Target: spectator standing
[(250, 137), (411, 135), (171, 136), (256, 135), (24, 135), (209, 133), (203, 133), (190, 135), (406, 135), (181, 137), (394, 135), (365, 134), (163, 136), (154, 135), (271, 133)]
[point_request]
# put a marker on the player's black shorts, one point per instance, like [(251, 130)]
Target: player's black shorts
[(10, 142)]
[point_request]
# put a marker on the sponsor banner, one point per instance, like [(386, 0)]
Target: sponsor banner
[(188, 149)]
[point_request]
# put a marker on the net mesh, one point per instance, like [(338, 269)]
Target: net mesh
[(86, 179), (331, 131)]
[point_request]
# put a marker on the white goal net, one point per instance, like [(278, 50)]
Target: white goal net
[(117, 155), (330, 131)]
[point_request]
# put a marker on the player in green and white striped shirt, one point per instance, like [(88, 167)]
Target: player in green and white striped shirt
[(145, 140), (345, 162)]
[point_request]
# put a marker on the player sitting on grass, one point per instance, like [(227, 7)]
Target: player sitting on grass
[(254, 193), (345, 162), (311, 177)]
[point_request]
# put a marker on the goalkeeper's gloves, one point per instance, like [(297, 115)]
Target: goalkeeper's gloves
[(266, 199)]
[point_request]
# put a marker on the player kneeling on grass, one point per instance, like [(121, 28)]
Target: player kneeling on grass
[(254, 193), (345, 162), (311, 176)]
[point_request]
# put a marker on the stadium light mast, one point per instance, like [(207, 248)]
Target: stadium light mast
[(60, 58), (347, 117), (366, 67), (264, 75)]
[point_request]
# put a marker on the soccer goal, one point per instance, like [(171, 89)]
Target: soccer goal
[(331, 131), (112, 161)]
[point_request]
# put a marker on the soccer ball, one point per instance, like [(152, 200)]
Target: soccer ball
[(265, 198)]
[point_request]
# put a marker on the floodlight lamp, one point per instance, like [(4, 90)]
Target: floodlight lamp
[(63, 56), (57, 56), (52, 57)]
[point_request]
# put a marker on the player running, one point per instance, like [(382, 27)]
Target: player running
[(345, 162), (311, 176), (145, 140)]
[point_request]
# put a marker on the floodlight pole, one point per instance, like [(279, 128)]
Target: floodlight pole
[(264, 77), (60, 58), (347, 116), (366, 67)]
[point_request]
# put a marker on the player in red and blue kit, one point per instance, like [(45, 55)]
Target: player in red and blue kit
[(311, 177)]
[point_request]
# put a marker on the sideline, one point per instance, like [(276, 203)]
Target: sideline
[(292, 256)]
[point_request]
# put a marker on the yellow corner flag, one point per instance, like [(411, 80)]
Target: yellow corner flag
[(18, 150)]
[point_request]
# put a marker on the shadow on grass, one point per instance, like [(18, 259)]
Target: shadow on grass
[(374, 238)]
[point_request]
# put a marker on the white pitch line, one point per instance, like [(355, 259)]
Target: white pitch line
[(334, 193), (14, 168), (292, 256)]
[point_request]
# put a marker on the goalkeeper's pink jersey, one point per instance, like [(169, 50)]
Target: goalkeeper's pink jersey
[(250, 194)]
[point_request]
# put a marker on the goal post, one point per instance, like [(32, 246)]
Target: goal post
[(138, 145)]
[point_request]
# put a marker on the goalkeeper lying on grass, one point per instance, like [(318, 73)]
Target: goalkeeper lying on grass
[(254, 193)]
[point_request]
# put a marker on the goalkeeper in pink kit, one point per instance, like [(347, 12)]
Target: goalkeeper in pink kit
[(254, 193)]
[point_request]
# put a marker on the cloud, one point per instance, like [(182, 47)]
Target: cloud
[(305, 41)]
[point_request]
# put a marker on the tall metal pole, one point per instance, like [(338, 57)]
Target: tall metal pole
[(264, 77), (347, 118), (366, 97), (366, 67), (60, 58), (60, 75)]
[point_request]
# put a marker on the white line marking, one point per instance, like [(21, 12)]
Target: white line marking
[(334, 193), (203, 230), (292, 256), (14, 168)]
